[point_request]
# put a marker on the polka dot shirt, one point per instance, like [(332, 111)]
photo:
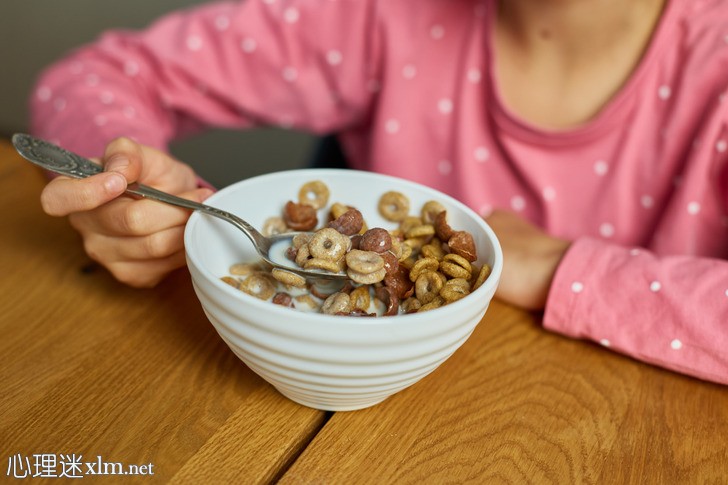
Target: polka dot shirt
[(641, 189)]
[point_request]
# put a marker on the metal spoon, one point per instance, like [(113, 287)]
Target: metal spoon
[(63, 162)]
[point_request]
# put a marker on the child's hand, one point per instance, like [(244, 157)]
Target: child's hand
[(530, 260), (139, 241)]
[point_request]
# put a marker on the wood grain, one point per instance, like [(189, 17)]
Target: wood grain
[(91, 367), (519, 405)]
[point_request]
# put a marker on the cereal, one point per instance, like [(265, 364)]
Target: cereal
[(329, 244), (314, 193), (421, 264), (428, 286), (299, 217), (288, 278), (337, 303), (394, 206)]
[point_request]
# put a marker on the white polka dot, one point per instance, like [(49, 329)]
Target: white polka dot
[(676, 344), (194, 42), (481, 154), (601, 167), (269, 2), (44, 93), (693, 208), (291, 15), (647, 201), (409, 71), (474, 75), (655, 286), (248, 45), (664, 92), (100, 120), (437, 32), (721, 146), (548, 193), (129, 111), (518, 203), (391, 126), (444, 167), (106, 97), (92, 80), (59, 104), (577, 287), (290, 74), (634, 252), (606, 230), (131, 68), (605, 342), (726, 292), (445, 106), (222, 22), (334, 57), (373, 86)]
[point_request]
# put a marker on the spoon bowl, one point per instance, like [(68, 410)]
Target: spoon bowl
[(63, 162)]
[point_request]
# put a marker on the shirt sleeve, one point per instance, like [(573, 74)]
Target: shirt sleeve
[(669, 311), (292, 63)]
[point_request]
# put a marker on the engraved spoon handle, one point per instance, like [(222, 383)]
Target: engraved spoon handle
[(56, 159)]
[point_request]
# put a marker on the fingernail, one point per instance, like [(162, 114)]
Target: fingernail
[(117, 163), (115, 182)]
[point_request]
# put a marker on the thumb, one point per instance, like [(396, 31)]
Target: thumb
[(124, 156)]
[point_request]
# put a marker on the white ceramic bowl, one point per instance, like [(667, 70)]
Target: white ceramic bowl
[(329, 362)]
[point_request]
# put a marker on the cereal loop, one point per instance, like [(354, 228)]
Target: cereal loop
[(364, 261), (299, 217), (360, 298), (455, 289), (328, 243), (288, 278), (428, 286), (366, 278), (430, 210), (323, 264), (259, 286), (231, 281), (422, 265), (244, 269), (394, 206), (314, 193), (274, 225), (436, 303), (337, 303), (482, 276), (455, 266), (423, 230)]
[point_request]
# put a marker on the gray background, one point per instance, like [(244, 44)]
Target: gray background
[(36, 32)]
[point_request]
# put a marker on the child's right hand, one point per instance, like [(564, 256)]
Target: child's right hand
[(139, 241)]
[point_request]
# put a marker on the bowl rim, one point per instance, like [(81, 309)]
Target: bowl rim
[(489, 285)]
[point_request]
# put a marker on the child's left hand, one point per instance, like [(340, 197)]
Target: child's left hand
[(530, 260)]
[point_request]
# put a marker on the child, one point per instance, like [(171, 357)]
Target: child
[(591, 134)]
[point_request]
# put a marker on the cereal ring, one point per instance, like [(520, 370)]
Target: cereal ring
[(396, 248), (274, 225), (390, 300), (323, 264), (337, 302), (416, 243), (463, 244), (338, 209), (243, 269), (283, 299), (435, 303), (302, 255), (288, 278), (360, 298), (455, 289), (364, 261), (433, 249), (301, 239), (455, 266), (422, 265), (307, 300), (376, 239), (234, 282), (329, 244), (428, 286), (314, 193), (366, 278), (348, 223), (482, 276), (259, 286), (419, 231), (400, 283), (299, 217), (408, 223), (394, 206), (430, 210), (411, 305), (405, 252)]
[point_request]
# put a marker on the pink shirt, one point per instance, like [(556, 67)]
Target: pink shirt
[(642, 189)]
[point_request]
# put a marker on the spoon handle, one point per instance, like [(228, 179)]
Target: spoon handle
[(56, 159)]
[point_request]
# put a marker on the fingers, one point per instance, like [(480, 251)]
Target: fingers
[(130, 217), (63, 195), (146, 274)]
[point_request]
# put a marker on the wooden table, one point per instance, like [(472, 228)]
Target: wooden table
[(91, 368)]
